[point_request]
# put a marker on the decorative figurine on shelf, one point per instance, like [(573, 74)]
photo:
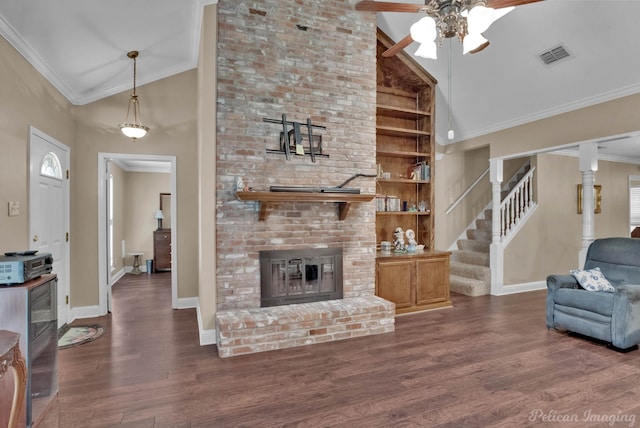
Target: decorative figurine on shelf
[(241, 187), (413, 245), (239, 184), (398, 244)]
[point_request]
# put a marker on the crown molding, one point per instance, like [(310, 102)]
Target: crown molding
[(565, 108), (13, 37)]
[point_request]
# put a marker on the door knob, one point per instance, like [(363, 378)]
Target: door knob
[(35, 238)]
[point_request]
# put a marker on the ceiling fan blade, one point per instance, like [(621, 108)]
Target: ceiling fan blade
[(385, 6), (398, 47), (480, 48), (499, 4)]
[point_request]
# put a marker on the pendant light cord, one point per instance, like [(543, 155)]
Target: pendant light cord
[(450, 91)]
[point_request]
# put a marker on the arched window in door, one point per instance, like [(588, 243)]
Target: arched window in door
[(50, 166)]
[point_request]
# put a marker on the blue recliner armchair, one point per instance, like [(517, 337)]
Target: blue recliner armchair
[(613, 317)]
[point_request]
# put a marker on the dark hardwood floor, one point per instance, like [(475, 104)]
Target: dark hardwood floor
[(486, 362)]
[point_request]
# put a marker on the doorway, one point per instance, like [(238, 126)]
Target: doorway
[(49, 209), (141, 163)]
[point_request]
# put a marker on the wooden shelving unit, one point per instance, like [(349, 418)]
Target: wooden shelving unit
[(404, 138), (404, 128)]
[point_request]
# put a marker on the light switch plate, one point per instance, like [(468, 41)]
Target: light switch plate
[(14, 209)]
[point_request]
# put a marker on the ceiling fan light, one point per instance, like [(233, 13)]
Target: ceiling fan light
[(473, 43), (424, 31), (428, 50), (480, 18)]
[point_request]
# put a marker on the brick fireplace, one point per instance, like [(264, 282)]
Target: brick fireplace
[(305, 59)]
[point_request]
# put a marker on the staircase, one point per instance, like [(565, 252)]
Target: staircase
[(470, 272), (470, 263)]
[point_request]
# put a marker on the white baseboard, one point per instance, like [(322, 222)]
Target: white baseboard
[(143, 268), (207, 337), (187, 303), (522, 288), (80, 312), (115, 277)]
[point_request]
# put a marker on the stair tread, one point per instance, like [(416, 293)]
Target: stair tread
[(471, 258), (468, 286), (465, 279), (481, 273)]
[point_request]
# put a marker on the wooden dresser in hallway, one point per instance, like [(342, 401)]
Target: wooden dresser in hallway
[(162, 250)]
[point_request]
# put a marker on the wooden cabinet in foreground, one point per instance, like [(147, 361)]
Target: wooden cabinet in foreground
[(414, 281)]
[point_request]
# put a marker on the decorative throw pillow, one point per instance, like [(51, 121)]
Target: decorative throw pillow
[(592, 280)]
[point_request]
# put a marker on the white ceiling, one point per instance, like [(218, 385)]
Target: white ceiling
[(80, 46)]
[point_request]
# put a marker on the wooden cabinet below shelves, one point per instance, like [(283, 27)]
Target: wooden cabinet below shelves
[(162, 250), (414, 281)]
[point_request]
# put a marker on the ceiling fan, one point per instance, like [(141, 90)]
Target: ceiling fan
[(466, 19)]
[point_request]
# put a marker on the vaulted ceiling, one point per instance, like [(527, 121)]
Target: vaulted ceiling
[(80, 46), (508, 84)]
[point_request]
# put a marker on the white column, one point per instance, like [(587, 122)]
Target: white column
[(588, 168), (496, 252)]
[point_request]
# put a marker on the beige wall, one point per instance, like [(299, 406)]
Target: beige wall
[(455, 173), (141, 201), (207, 83), (26, 98), (550, 241), (169, 109)]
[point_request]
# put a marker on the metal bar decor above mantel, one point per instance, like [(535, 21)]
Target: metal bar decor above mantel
[(295, 135)]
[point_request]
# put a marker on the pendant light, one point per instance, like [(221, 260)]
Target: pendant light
[(450, 135), (133, 129)]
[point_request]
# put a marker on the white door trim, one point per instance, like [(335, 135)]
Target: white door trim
[(103, 271)]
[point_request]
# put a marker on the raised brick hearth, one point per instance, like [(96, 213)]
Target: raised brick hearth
[(247, 331)]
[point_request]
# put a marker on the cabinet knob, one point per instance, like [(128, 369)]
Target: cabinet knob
[(35, 238)]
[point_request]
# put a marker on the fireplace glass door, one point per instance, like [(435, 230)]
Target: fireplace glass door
[(300, 276)]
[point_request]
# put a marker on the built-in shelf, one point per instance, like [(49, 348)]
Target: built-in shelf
[(399, 112), (395, 91), (411, 213), (399, 154), (402, 180), (344, 200), (400, 132)]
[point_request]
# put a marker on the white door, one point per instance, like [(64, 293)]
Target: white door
[(49, 209)]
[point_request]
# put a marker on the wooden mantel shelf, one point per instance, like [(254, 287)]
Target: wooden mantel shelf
[(344, 200)]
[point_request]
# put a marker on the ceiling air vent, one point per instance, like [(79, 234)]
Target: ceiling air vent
[(554, 55)]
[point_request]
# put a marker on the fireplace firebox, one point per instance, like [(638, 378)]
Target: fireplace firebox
[(299, 276)]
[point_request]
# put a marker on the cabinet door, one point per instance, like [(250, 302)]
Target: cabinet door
[(394, 282), (432, 282)]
